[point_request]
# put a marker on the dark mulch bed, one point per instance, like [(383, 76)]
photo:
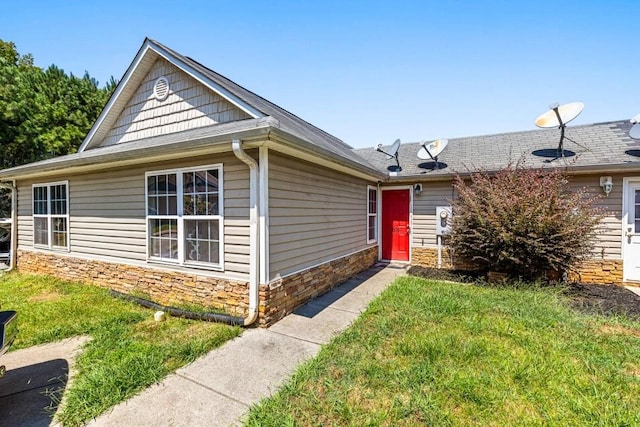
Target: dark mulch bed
[(607, 300)]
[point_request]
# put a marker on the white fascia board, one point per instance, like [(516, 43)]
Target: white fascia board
[(116, 95), (288, 144)]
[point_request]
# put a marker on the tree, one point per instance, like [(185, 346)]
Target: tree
[(43, 112), (522, 221)]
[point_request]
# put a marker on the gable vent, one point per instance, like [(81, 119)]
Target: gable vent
[(161, 89)]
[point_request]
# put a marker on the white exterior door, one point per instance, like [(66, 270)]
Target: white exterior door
[(631, 231)]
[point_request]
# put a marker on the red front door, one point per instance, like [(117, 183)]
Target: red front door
[(395, 225)]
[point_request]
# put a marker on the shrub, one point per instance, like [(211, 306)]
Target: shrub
[(522, 221)]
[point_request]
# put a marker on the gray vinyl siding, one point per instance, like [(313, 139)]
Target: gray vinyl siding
[(315, 215), (188, 105), (433, 194), (609, 240), (107, 214)]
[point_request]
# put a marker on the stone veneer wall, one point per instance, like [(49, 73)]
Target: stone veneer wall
[(428, 257), (283, 295), (164, 287), (597, 271), (277, 299)]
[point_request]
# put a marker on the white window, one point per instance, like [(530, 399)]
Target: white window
[(372, 214), (51, 215), (185, 216)]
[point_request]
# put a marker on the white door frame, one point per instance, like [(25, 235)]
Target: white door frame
[(626, 205)]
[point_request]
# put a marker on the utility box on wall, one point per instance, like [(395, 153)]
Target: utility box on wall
[(443, 220)]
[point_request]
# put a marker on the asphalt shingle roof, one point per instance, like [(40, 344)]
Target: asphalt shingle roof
[(596, 145), (288, 121)]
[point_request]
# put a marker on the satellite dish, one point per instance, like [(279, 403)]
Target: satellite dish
[(558, 116), (634, 132), (432, 149), (391, 153)]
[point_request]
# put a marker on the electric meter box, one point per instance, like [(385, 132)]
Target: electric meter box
[(443, 220)]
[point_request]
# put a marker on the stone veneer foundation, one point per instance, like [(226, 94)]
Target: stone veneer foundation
[(162, 286), (599, 271), (283, 295), (277, 299), (596, 271)]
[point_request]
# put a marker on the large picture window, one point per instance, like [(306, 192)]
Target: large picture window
[(51, 215), (184, 215), (372, 214)]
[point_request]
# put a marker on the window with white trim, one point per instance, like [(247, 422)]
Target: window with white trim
[(51, 215), (184, 215), (372, 214)]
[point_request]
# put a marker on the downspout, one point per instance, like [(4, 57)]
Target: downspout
[(254, 236), (14, 215)]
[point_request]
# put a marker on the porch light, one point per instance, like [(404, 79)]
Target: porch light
[(607, 184), (417, 189)]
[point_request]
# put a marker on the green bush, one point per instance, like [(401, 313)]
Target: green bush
[(522, 221)]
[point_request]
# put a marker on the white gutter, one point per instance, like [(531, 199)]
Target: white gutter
[(254, 235), (264, 214), (14, 214)]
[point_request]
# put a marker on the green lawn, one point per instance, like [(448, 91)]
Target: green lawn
[(128, 351), (436, 353)]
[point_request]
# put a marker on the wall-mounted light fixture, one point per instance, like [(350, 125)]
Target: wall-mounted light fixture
[(417, 189), (606, 182)]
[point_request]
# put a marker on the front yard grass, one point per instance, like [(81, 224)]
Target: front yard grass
[(446, 354), (128, 351)]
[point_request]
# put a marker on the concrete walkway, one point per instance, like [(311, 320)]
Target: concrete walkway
[(219, 389), (634, 289)]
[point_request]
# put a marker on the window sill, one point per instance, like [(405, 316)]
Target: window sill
[(52, 248), (196, 266)]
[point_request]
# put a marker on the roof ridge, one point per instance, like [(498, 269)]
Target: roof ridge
[(528, 131), (535, 130)]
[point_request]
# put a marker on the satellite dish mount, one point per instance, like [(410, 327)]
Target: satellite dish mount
[(391, 153), (634, 132), (432, 149), (558, 116)]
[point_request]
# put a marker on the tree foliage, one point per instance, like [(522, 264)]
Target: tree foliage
[(43, 112), (522, 221)]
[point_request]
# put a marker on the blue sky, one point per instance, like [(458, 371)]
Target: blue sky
[(368, 71)]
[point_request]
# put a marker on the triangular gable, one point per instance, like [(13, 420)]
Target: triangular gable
[(193, 101), (189, 105)]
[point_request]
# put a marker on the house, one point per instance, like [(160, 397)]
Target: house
[(596, 153), (191, 188)]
